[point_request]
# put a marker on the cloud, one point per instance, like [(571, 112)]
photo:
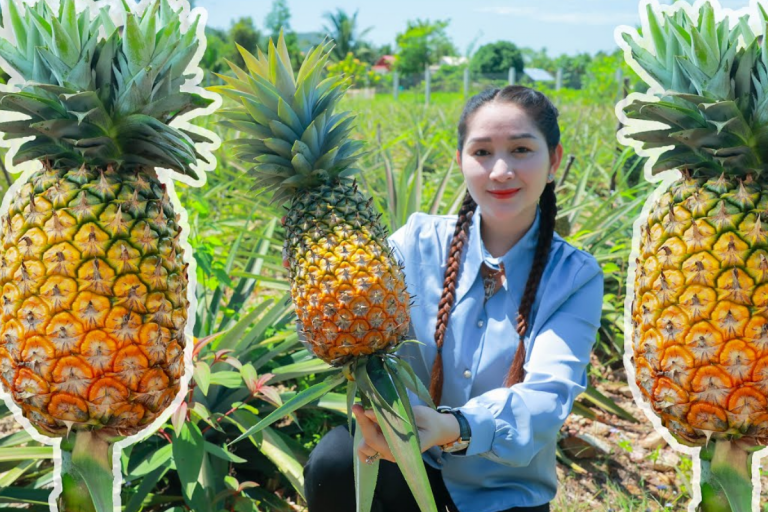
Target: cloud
[(570, 18)]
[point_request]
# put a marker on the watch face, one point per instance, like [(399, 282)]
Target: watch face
[(456, 447)]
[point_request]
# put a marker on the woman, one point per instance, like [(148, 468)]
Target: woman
[(507, 313)]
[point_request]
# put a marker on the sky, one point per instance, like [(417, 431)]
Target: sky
[(562, 26)]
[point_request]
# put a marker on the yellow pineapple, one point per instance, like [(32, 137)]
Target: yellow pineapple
[(94, 285), (348, 290), (700, 306)]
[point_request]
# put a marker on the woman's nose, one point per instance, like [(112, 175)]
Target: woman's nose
[(501, 169)]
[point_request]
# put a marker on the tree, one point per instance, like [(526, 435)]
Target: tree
[(244, 33), (278, 18), (574, 67), (497, 57), (422, 43), (217, 48), (343, 30)]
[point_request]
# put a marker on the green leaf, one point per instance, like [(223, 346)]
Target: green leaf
[(274, 447), (730, 475), (368, 389), (65, 47), (90, 461), (308, 395), (366, 476), (26, 453), (401, 436), (223, 453), (11, 475), (405, 373), (202, 376), (157, 458), (659, 41), (136, 49), (351, 394), (232, 337), (291, 371), (188, 450), (228, 379), (142, 492), (605, 403)]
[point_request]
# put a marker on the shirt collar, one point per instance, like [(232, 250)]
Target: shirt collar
[(516, 261)]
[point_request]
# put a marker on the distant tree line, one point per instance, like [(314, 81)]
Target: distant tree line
[(422, 43)]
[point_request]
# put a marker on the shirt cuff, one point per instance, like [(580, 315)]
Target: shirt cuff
[(482, 426)]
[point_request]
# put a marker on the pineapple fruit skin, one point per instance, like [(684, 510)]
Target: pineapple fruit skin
[(94, 293), (700, 309), (348, 289)]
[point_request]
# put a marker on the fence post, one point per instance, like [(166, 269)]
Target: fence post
[(512, 76), (559, 80), (466, 82), (620, 83), (395, 84), (427, 84)]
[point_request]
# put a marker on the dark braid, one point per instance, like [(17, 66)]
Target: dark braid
[(459, 241), (548, 206), (544, 115)]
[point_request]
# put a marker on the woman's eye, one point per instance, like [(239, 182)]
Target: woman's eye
[(481, 152), (521, 150)]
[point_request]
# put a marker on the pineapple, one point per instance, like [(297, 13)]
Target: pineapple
[(347, 287), (348, 290), (700, 306), (94, 285)]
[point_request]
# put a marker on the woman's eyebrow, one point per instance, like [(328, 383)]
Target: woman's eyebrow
[(511, 137)]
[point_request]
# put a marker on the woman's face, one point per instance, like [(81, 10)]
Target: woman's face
[(506, 162)]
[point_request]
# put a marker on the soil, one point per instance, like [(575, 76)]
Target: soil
[(636, 470)]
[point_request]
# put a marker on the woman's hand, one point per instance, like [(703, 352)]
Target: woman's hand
[(434, 429)]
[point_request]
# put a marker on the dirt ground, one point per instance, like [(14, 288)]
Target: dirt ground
[(636, 470)]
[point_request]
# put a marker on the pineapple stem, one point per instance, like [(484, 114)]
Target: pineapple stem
[(726, 479), (86, 473)]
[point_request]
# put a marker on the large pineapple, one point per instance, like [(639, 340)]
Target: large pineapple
[(700, 308), (93, 282), (94, 286), (348, 290)]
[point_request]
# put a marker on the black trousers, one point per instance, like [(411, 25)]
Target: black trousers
[(329, 481)]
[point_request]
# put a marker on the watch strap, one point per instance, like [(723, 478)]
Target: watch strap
[(465, 432)]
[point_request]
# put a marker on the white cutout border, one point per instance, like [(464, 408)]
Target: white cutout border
[(665, 180), (166, 176)]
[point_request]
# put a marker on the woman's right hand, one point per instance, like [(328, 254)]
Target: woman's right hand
[(372, 441)]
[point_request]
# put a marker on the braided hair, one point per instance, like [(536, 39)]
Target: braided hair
[(544, 114)]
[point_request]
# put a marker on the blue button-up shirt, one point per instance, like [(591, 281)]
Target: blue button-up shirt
[(510, 461)]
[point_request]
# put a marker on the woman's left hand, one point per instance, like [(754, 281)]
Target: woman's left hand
[(434, 429)]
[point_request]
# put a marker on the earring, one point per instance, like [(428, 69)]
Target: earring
[(550, 178)]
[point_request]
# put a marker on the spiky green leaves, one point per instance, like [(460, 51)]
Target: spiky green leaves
[(713, 99), (291, 133), (99, 101), (688, 57)]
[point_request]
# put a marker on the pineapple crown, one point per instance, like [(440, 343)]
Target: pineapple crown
[(97, 101), (710, 83), (291, 133)]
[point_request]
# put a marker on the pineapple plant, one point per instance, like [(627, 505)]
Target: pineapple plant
[(94, 282), (699, 312), (348, 290)]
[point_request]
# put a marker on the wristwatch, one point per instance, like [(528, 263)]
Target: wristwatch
[(465, 433)]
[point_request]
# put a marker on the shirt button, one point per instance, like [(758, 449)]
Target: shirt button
[(467, 374), (480, 323)]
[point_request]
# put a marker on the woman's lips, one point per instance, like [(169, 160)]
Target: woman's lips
[(504, 193)]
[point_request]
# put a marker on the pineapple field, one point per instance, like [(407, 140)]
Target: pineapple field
[(249, 360), (79, 218)]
